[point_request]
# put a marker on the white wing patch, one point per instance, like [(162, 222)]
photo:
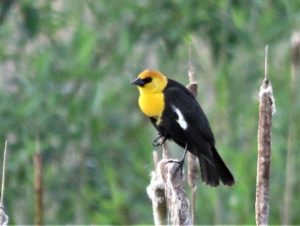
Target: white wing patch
[(181, 121)]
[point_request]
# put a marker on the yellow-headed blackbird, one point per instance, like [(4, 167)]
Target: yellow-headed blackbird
[(176, 114)]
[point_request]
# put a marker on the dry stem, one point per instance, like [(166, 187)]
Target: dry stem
[(3, 173), (3, 216), (193, 171)]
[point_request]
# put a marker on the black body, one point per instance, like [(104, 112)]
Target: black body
[(197, 136)]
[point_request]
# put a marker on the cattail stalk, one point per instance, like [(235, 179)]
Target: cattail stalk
[(38, 184), (176, 198), (167, 193), (3, 174), (3, 216), (293, 132), (156, 193), (266, 109), (193, 171)]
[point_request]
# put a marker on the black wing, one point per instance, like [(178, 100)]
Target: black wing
[(195, 132), (178, 96)]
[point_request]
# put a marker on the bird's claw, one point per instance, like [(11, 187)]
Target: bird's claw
[(158, 141), (181, 160)]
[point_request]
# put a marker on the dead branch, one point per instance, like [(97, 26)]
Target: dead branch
[(266, 109)]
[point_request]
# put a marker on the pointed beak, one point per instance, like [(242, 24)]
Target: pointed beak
[(138, 82)]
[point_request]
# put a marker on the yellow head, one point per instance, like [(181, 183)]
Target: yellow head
[(150, 81)]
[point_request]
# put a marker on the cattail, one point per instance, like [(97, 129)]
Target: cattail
[(193, 170), (156, 193), (177, 201), (266, 109), (38, 183)]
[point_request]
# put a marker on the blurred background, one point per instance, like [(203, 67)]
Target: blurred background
[(65, 72)]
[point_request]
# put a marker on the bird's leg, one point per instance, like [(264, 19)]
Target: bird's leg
[(181, 160), (158, 141)]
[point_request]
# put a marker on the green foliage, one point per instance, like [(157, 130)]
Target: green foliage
[(65, 73)]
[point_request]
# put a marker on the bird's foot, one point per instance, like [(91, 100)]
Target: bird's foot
[(158, 141), (180, 162)]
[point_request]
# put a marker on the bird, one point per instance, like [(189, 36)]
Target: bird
[(176, 114)]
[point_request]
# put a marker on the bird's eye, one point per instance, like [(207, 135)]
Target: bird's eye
[(147, 80)]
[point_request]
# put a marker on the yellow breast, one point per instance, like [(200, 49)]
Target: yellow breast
[(152, 104)]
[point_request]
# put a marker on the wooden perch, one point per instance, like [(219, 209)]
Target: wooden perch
[(177, 201), (167, 194), (266, 109), (156, 192)]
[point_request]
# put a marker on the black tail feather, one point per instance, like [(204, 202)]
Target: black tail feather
[(213, 169), (208, 172), (224, 173)]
